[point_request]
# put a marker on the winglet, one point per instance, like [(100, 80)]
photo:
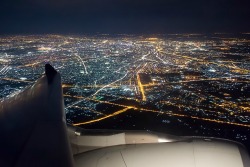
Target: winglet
[(50, 73)]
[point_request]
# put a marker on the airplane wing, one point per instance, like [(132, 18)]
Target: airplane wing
[(32, 126)]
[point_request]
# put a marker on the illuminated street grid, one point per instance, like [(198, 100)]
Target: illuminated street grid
[(174, 78)]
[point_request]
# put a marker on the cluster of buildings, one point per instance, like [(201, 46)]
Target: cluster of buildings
[(195, 82)]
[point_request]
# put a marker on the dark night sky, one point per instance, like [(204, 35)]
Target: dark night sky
[(124, 16)]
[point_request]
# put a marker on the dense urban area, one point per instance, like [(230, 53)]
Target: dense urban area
[(183, 84)]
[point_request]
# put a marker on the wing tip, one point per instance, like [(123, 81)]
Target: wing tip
[(50, 72)]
